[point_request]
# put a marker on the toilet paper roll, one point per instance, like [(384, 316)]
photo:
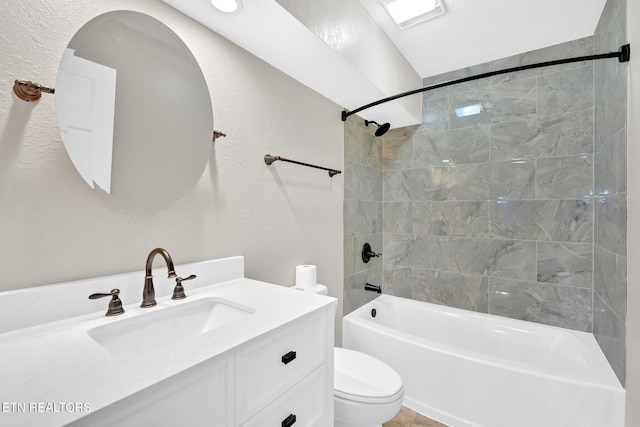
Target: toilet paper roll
[(305, 276)]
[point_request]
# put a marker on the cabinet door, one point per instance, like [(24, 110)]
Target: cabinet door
[(302, 406), (198, 397), (268, 366)]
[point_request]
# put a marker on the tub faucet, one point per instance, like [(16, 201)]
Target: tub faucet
[(149, 293), (374, 288)]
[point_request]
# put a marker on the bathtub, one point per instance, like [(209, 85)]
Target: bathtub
[(471, 369)]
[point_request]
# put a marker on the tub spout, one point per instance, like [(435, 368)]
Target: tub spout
[(370, 287)]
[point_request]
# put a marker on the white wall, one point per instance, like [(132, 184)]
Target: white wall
[(633, 219), (347, 27), (54, 228)]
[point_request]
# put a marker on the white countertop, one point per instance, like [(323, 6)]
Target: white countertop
[(58, 363)]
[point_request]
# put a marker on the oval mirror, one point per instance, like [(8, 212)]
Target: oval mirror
[(134, 110)]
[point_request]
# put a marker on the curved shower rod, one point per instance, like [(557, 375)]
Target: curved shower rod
[(623, 54)]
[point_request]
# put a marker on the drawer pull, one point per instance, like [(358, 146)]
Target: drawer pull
[(289, 421), (288, 358)]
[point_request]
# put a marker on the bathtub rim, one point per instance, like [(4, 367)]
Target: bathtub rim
[(606, 378)]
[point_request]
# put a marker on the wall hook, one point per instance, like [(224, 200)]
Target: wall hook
[(217, 134), (30, 91)]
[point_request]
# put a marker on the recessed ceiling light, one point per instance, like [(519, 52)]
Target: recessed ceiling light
[(226, 5), (410, 12)]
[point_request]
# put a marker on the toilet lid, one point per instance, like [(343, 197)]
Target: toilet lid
[(360, 377)]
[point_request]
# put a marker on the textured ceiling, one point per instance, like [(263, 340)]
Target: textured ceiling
[(339, 48), (476, 31)]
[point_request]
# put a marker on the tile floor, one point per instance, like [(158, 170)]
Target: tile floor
[(408, 418)]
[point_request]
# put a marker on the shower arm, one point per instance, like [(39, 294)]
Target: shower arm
[(623, 55)]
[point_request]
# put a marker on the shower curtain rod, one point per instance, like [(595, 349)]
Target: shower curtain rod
[(623, 55)]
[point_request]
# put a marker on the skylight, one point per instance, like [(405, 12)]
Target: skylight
[(410, 12), (227, 6)]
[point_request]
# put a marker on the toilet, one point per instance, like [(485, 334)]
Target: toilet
[(366, 391)]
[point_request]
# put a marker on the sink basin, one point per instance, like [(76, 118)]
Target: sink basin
[(167, 328)]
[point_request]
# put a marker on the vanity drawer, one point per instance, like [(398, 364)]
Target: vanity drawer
[(304, 405), (273, 364)]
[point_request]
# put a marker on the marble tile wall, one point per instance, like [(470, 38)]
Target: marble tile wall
[(610, 187), (518, 210), (494, 211), (362, 211)]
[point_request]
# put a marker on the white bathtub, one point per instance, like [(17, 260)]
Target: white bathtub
[(471, 369)]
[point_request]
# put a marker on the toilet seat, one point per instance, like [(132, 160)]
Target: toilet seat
[(363, 378)]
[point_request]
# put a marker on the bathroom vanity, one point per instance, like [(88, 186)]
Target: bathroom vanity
[(235, 352)]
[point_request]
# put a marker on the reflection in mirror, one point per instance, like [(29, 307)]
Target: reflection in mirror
[(134, 110)]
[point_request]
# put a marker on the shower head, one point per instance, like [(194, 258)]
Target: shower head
[(382, 128)]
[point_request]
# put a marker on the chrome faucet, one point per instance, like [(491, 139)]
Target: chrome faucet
[(149, 293)]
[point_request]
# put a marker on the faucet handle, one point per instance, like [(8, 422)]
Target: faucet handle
[(178, 291), (115, 305), (367, 253)]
